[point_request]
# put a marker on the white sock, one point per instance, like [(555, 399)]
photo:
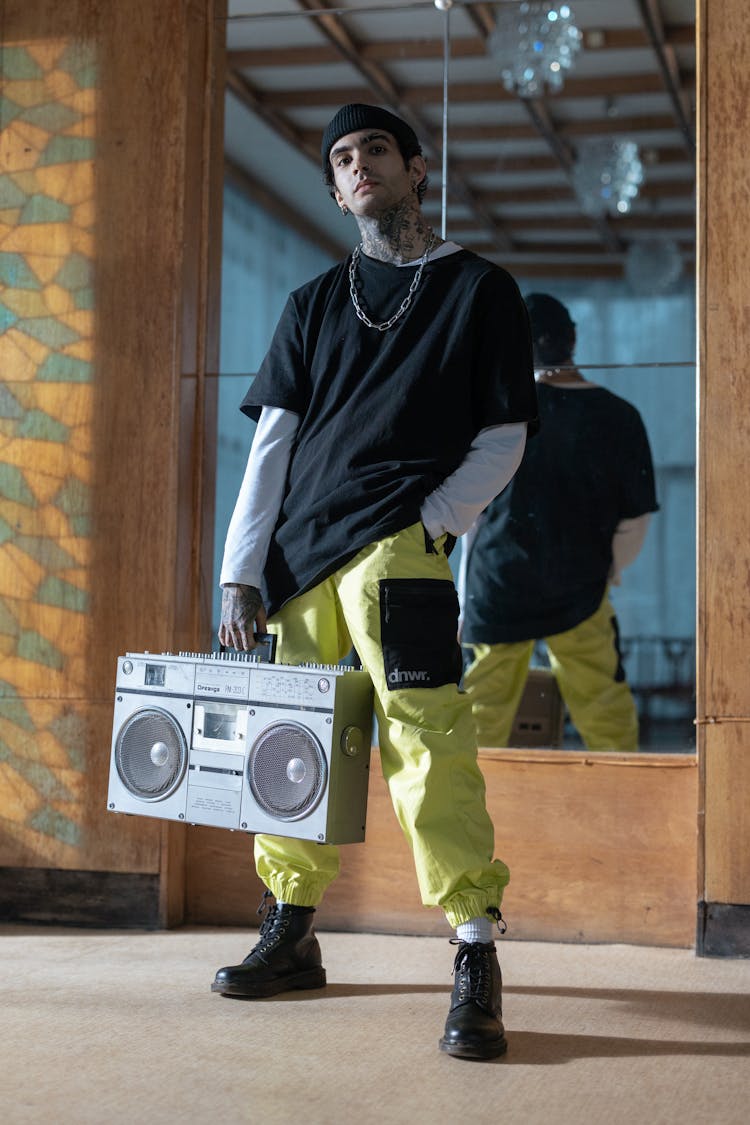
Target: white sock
[(476, 929)]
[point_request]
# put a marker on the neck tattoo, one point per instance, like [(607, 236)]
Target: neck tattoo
[(386, 324)]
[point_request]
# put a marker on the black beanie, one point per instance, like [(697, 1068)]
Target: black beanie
[(549, 317), (350, 118)]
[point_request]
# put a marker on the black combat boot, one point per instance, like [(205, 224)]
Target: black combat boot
[(286, 957), (474, 1028)]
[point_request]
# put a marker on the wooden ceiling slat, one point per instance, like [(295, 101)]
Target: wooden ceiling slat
[(522, 269), (624, 38), (604, 86), (476, 165), (627, 224), (246, 93), (604, 126), (404, 50), (586, 270), (640, 123), (570, 249), (657, 189), (271, 202)]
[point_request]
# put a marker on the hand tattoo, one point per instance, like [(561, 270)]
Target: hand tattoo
[(240, 608)]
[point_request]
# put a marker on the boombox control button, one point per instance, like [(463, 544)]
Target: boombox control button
[(352, 741), (324, 685), (127, 667)]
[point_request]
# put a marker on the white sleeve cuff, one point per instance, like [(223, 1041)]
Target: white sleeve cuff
[(490, 464), (467, 542), (627, 543)]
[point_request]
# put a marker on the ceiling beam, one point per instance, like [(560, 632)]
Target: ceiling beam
[(464, 47), (604, 126), (243, 89), (626, 38), (273, 204), (574, 270), (482, 18), (627, 224), (537, 110), (617, 123), (476, 165), (657, 189), (571, 250), (603, 86), (585, 270), (670, 71)]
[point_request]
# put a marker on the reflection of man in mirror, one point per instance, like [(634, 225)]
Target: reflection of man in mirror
[(539, 561), (390, 411)]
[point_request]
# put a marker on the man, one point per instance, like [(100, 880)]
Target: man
[(392, 406), (542, 556)]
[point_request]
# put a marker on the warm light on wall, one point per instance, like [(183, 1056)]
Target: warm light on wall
[(46, 365)]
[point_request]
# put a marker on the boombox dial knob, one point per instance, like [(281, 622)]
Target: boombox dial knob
[(352, 741)]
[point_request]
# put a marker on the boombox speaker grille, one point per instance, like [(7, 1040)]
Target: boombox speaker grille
[(287, 771), (151, 754)]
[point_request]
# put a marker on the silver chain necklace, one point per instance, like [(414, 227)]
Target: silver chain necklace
[(386, 324)]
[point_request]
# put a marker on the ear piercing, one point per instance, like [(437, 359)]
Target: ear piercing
[(345, 210)]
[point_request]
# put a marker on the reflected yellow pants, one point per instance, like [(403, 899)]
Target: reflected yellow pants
[(428, 745), (586, 663)]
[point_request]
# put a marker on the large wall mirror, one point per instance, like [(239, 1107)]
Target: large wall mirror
[(524, 159)]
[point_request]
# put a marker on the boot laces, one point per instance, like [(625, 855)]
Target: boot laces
[(274, 925), (473, 972)]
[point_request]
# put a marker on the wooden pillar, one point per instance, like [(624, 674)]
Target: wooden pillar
[(110, 177), (723, 495)]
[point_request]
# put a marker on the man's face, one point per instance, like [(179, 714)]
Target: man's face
[(369, 172)]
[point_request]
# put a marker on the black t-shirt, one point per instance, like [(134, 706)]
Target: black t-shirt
[(385, 416), (543, 551)]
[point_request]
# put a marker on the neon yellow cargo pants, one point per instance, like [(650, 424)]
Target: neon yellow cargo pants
[(395, 602), (586, 663)]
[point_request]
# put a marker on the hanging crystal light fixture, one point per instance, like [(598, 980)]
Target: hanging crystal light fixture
[(534, 43), (607, 175), (653, 266)]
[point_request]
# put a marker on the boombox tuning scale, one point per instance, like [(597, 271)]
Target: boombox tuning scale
[(234, 741)]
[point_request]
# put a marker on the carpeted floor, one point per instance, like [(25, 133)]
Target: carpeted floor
[(121, 1027)]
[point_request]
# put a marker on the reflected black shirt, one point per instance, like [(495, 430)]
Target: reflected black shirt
[(543, 550)]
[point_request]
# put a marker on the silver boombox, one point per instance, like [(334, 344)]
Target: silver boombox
[(231, 741)]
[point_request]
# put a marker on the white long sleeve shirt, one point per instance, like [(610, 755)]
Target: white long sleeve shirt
[(489, 465), (259, 499)]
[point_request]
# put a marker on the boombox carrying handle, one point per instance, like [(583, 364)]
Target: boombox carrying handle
[(265, 650)]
